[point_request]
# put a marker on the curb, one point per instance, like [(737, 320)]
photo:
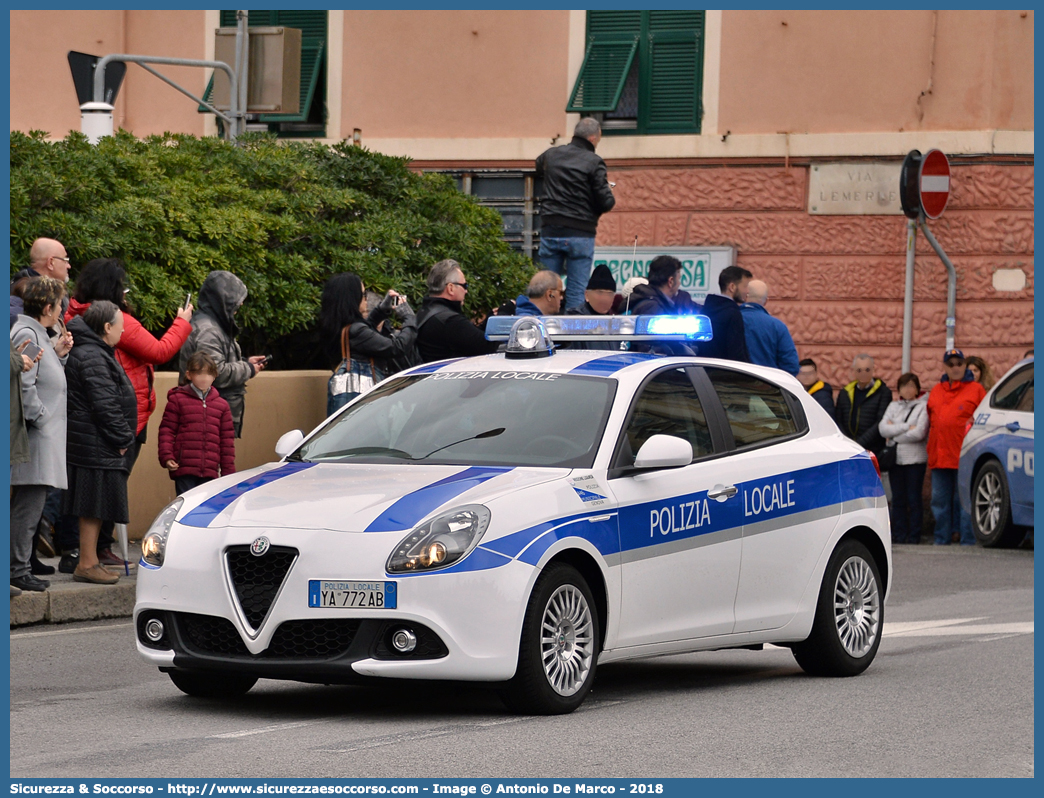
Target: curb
[(66, 601)]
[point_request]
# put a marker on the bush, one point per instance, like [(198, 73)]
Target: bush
[(282, 216)]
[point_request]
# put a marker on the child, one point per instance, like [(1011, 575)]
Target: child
[(196, 436)]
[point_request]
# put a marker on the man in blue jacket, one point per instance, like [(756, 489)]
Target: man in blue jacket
[(768, 339), (543, 296)]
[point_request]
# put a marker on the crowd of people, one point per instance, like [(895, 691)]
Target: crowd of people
[(82, 386)]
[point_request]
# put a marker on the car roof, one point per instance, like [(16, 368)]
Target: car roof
[(598, 363)]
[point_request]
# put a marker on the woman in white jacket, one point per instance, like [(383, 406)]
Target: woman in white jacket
[(905, 426)]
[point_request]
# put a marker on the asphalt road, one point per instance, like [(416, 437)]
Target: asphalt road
[(950, 694)]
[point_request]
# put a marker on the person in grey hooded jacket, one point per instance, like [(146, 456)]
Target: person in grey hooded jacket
[(214, 331)]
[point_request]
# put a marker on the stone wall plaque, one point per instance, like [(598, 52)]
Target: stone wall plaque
[(854, 189)]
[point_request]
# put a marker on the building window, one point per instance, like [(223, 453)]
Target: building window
[(310, 122), (642, 71)]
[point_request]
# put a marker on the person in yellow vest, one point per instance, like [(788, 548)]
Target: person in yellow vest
[(862, 404), (822, 392)]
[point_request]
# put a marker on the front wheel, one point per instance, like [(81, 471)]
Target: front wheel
[(846, 632), (209, 684), (991, 508), (558, 650)]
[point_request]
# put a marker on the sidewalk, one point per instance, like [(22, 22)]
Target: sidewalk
[(65, 600)]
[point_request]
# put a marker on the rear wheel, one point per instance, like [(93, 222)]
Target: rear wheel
[(208, 684), (991, 508), (558, 650), (846, 632)]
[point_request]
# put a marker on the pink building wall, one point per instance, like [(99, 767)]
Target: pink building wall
[(860, 71), (838, 281)]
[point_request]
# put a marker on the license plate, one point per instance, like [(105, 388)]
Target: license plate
[(351, 595)]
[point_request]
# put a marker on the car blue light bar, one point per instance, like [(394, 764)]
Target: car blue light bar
[(610, 328)]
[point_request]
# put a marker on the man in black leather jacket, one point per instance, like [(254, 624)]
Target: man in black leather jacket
[(576, 192), (443, 331)]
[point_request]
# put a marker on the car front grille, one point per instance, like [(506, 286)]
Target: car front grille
[(303, 639), (318, 639), (208, 634), (256, 580)]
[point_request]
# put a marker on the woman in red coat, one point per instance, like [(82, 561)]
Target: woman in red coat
[(138, 351)]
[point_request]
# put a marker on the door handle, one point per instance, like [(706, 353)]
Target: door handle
[(1013, 426), (722, 492)]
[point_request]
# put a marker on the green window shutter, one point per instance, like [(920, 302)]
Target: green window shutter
[(674, 80), (613, 22), (602, 75), (676, 20)]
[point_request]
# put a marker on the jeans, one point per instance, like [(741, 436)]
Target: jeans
[(572, 258), (907, 509), (946, 507), (188, 482)]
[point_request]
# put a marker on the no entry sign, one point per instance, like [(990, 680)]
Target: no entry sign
[(934, 183)]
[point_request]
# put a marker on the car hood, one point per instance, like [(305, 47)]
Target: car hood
[(349, 497)]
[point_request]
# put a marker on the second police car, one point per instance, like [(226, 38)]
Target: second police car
[(995, 476), (520, 518)]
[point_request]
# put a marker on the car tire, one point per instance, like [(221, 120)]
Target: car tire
[(991, 508), (558, 649), (208, 684), (846, 632)]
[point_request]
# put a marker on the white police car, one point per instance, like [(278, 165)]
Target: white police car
[(519, 518), (995, 475)]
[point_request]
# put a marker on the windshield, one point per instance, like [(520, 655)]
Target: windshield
[(471, 418)]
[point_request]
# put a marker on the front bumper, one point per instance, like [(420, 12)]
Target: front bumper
[(467, 622)]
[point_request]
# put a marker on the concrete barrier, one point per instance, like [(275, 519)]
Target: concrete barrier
[(276, 402)]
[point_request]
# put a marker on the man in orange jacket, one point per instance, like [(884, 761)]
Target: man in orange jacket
[(950, 406)]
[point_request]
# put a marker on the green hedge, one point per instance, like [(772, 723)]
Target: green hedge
[(282, 216)]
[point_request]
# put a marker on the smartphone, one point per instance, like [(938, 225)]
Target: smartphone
[(267, 359), (31, 350), (188, 299)]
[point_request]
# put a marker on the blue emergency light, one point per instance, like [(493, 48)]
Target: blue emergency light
[(607, 328)]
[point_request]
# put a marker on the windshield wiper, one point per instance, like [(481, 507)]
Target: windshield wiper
[(490, 433)]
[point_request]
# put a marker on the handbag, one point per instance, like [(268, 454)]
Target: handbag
[(889, 456), (351, 377)]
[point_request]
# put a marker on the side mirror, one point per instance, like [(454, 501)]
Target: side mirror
[(290, 441), (664, 451)]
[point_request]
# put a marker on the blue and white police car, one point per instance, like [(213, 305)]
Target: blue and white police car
[(995, 475), (521, 517)]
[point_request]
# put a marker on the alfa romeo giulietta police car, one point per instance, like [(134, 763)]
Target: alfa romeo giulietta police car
[(520, 518)]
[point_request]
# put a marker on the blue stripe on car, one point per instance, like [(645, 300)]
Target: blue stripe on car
[(604, 366), (206, 512), (777, 496), (429, 368), (411, 508)]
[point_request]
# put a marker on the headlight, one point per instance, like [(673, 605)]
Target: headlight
[(154, 544), (442, 541)]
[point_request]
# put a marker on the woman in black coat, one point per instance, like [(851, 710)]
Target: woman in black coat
[(103, 417), (373, 349)]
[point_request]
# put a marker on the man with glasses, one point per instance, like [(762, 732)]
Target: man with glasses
[(862, 404), (950, 407), (443, 331), (47, 258)]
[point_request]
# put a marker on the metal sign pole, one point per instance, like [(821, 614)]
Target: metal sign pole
[(951, 286), (911, 241), (242, 67)]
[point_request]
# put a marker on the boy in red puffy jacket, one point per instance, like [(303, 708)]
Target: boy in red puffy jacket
[(196, 436)]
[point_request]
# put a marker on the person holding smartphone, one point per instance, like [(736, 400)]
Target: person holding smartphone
[(214, 331), (44, 394), (138, 351)]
